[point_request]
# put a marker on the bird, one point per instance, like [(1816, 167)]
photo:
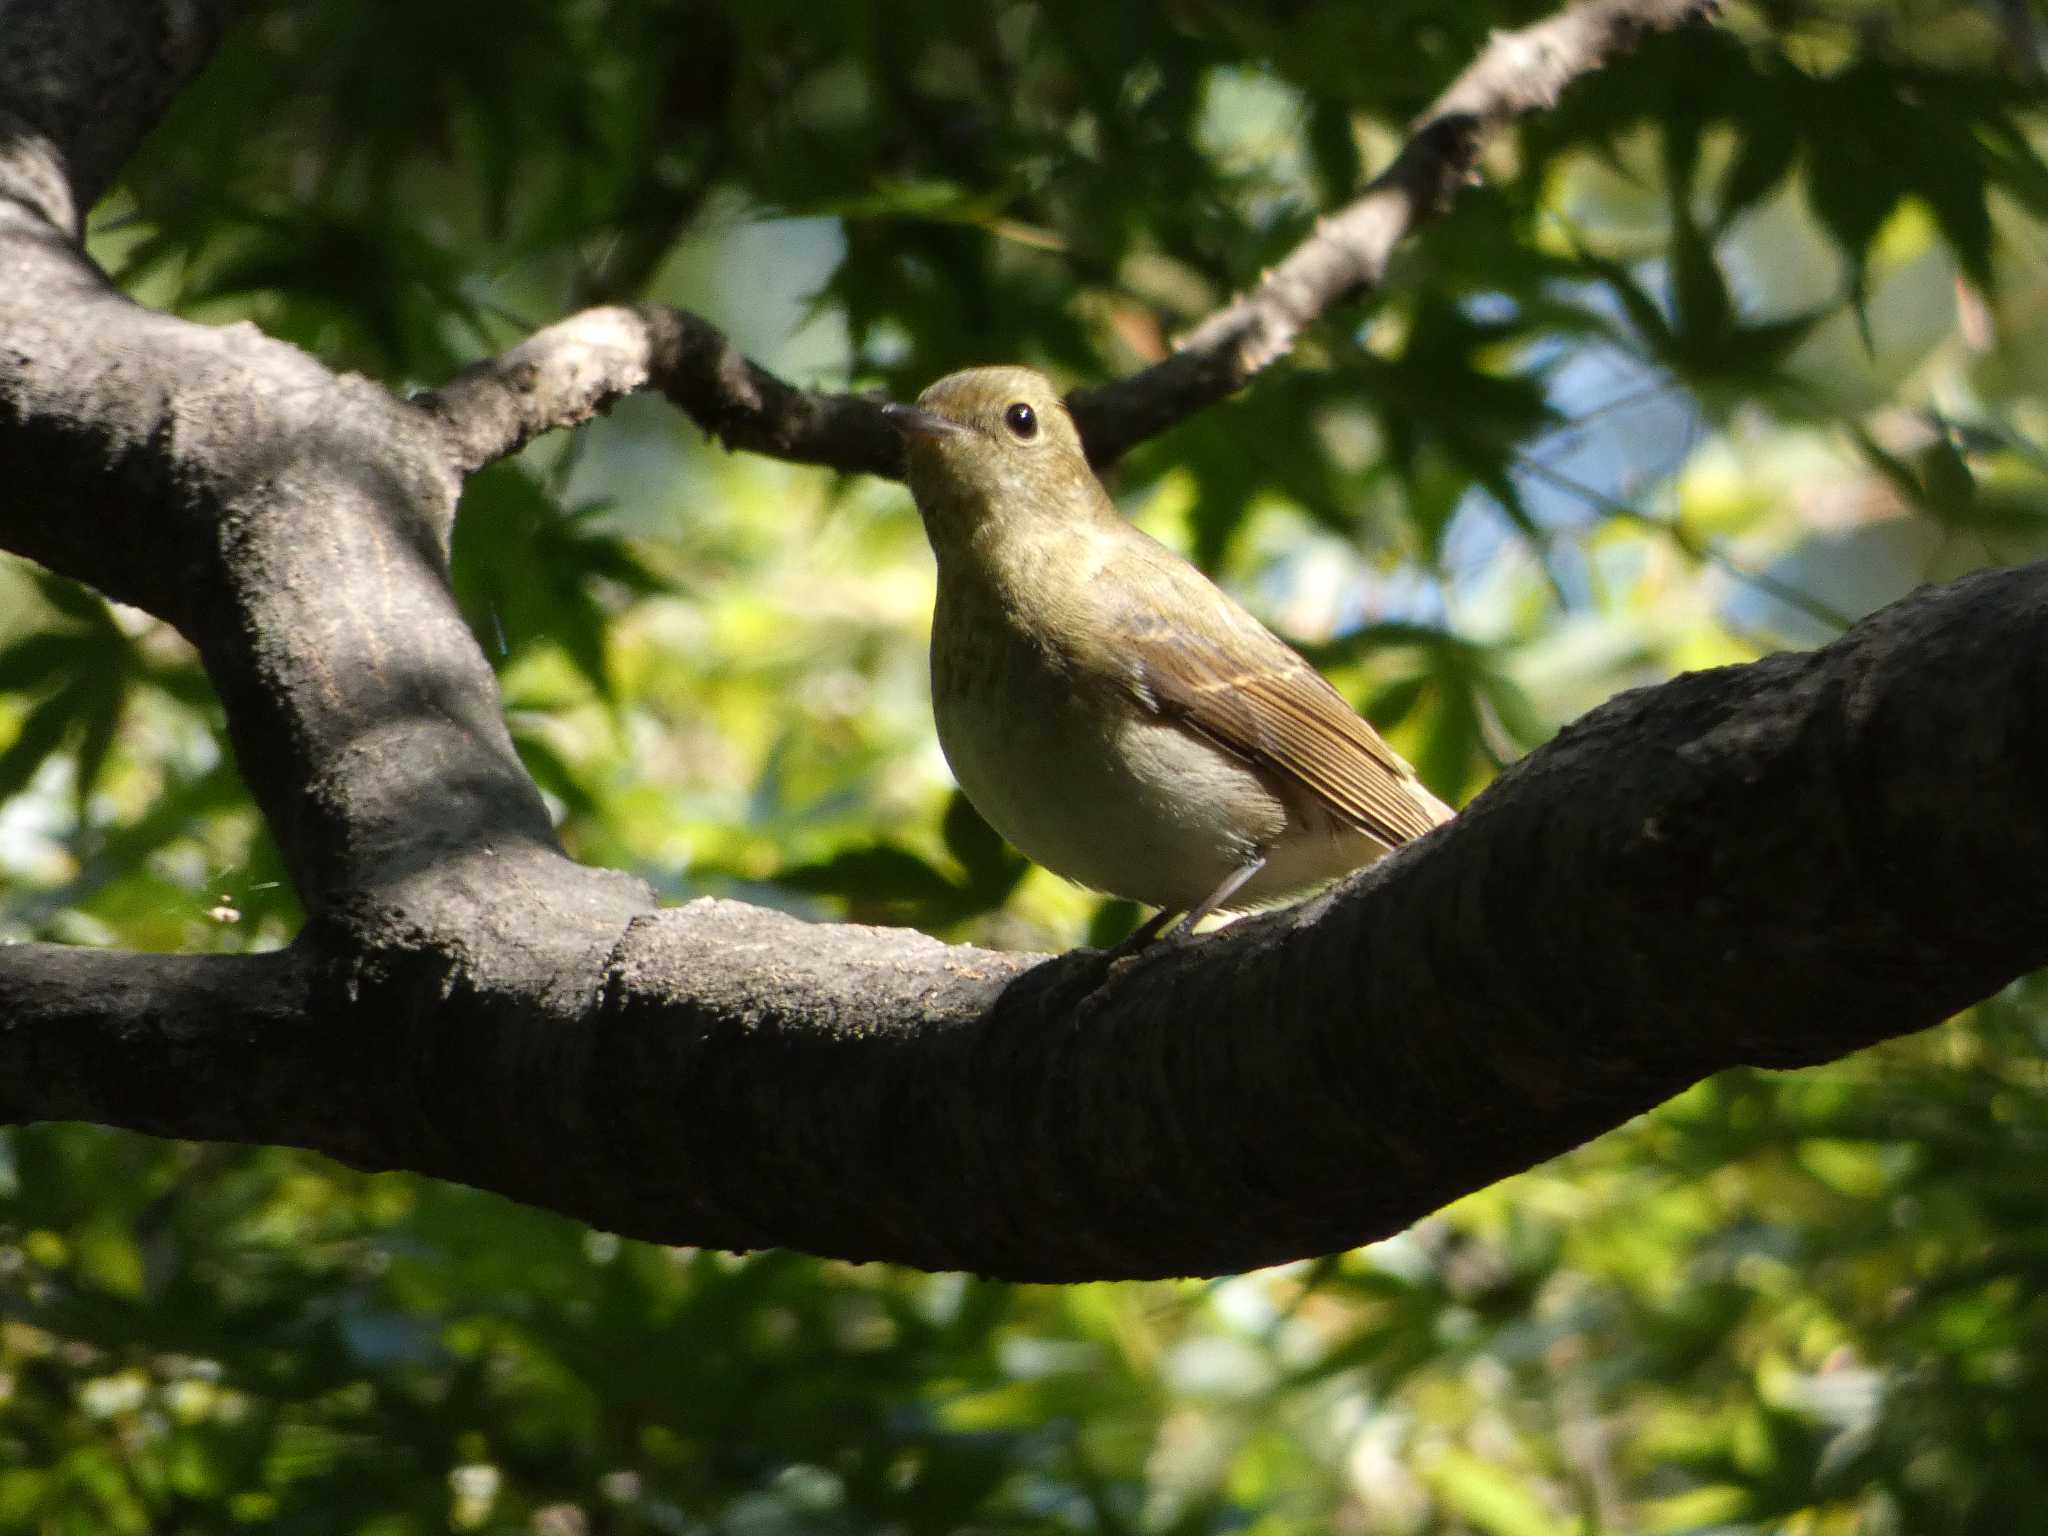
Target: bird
[(1110, 711)]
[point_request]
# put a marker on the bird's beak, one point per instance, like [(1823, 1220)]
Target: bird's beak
[(916, 421)]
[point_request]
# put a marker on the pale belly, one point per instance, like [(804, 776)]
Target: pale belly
[(1087, 785)]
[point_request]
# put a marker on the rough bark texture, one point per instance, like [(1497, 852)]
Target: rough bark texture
[(1772, 864)]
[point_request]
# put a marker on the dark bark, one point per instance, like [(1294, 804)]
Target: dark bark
[(1769, 865), (81, 81), (1773, 864)]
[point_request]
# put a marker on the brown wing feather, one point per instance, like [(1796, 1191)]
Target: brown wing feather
[(1260, 700)]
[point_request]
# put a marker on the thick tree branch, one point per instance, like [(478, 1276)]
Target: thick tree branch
[(220, 479), (1771, 864), (569, 371), (81, 81)]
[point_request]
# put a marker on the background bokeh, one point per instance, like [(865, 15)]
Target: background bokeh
[(1742, 341)]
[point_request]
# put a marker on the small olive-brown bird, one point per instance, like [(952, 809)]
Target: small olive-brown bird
[(1107, 708)]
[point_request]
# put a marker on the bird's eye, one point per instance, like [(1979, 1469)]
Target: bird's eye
[(1022, 421)]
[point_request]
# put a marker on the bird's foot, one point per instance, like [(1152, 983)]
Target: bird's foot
[(1141, 937), (1105, 963)]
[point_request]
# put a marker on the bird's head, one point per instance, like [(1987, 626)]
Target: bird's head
[(993, 446)]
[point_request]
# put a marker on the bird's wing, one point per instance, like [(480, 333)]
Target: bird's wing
[(1256, 697)]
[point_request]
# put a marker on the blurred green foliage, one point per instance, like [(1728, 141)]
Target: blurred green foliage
[(1742, 340)]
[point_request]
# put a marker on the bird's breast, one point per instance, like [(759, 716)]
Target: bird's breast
[(1061, 759)]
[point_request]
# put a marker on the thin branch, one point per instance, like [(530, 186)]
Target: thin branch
[(572, 370), (1819, 609), (565, 373), (1347, 255), (1695, 548)]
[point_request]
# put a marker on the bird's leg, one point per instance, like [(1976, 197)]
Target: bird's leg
[(1104, 963), (1148, 931), (1139, 937), (1231, 885)]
